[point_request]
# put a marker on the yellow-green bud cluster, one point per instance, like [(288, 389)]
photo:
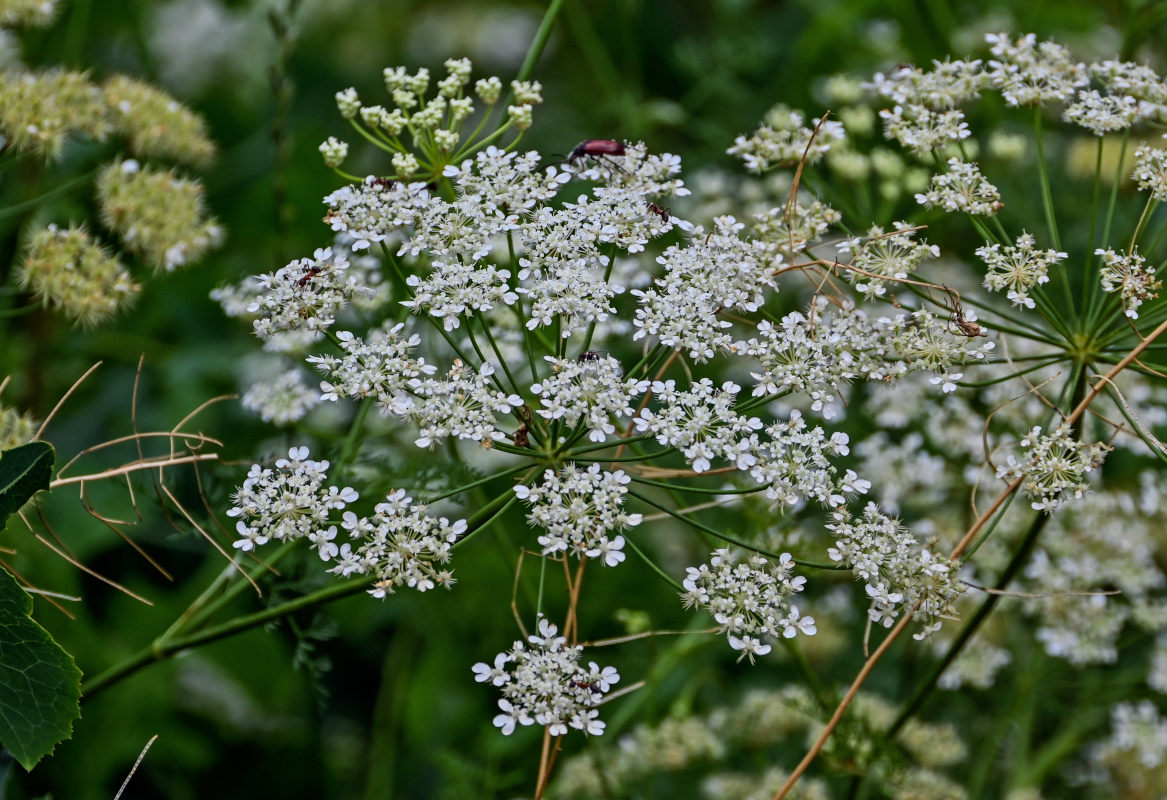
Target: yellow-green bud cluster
[(27, 13), (157, 215), (39, 111), (434, 124), (70, 271), (15, 428), (156, 125)]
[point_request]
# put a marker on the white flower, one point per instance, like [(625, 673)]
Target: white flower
[(545, 684), (749, 600), (401, 545), (1130, 276), (577, 509), (1018, 268), (288, 502)]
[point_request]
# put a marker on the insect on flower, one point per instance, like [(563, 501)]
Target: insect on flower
[(663, 213), (596, 147), (309, 275)]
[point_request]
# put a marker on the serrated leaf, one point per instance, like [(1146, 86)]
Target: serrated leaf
[(41, 683), (24, 471)]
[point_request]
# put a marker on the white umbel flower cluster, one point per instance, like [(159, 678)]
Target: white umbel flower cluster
[(784, 140), (819, 354), (962, 189), (750, 600), (898, 571), (307, 293), (1027, 71), (1054, 466), (400, 544), (463, 404), (1130, 276), (1151, 171), (701, 423), (792, 460), (578, 509), (544, 684), (1017, 269), (288, 502), (282, 401), (379, 367), (892, 254), (591, 388)]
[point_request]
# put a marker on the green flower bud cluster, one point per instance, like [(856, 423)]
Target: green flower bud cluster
[(433, 125), (157, 216), (72, 272)]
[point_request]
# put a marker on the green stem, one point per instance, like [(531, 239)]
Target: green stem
[(726, 538), (540, 40), (925, 689), (162, 648), (653, 566)]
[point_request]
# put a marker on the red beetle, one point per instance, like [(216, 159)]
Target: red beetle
[(596, 147)]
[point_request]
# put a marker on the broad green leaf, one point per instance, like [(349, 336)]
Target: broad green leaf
[(24, 471), (41, 683)]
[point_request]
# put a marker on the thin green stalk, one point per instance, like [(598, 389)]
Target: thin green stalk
[(506, 473), (1010, 376), (676, 487), (160, 649), (540, 40), (925, 689), (653, 565), (352, 442), (727, 538)]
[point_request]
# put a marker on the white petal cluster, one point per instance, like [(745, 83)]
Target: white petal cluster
[(1027, 71), (947, 85), (1018, 268), (792, 460), (819, 354), (1105, 541), (306, 294), (1053, 466), (379, 367), (288, 502), (591, 388), (783, 140), (1151, 170), (712, 273), (891, 254), (578, 509), (898, 571), (400, 544), (457, 289), (462, 404), (1102, 113), (283, 401), (562, 272), (701, 423), (923, 130), (963, 189), (1130, 276), (1138, 734), (785, 234), (544, 684), (750, 600), (928, 343)]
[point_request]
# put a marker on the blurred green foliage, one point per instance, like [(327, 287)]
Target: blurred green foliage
[(365, 699)]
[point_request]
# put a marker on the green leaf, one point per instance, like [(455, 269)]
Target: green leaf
[(24, 471), (41, 683)]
